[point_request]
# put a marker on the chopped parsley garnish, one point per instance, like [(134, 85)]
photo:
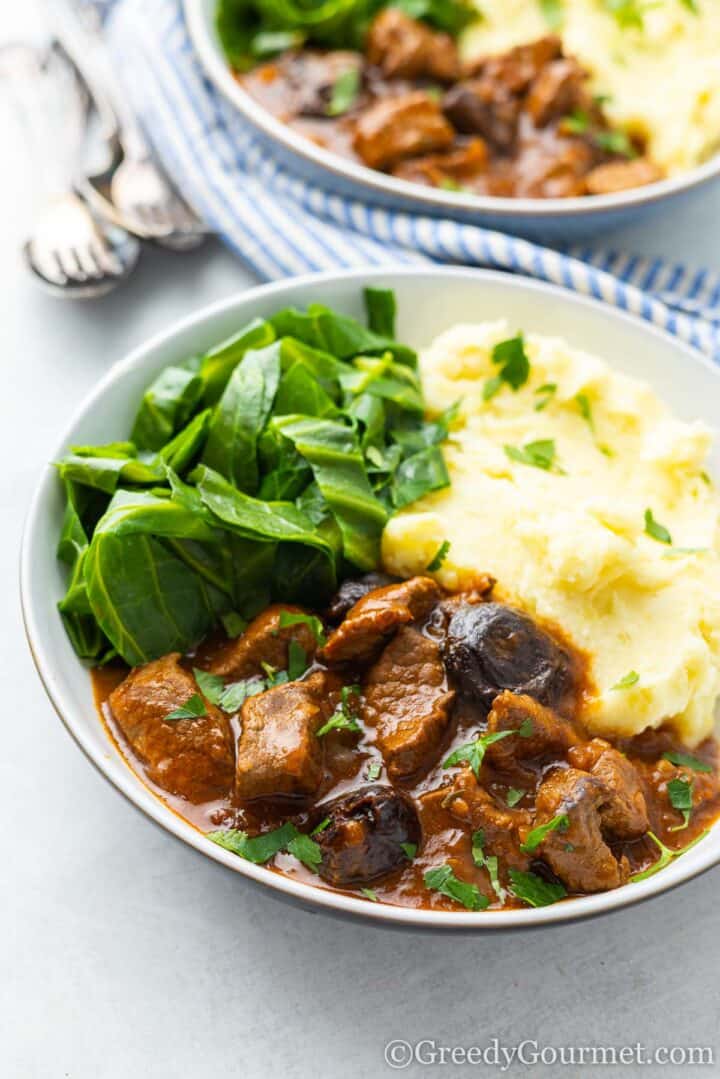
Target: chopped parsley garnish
[(583, 403), (321, 826), (629, 14), (533, 890), (409, 850), (488, 862), (261, 848), (686, 760), (442, 879), (233, 623), (540, 454), (680, 795), (513, 796), (536, 836), (473, 753), (447, 183), (627, 680), (666, 856), (374, 769), (577, 123), (439, 557), (514, 366), (691, 5), (297, 660), (235, 695), (194, 708), (553, 12), (211, 685), (370, 894), (343, 718), (344, 92), (545, 394), (655, 530), (615, 142), (297, 618)]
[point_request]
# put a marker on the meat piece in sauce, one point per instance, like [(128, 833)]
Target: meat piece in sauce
[(557, 91), (354, 589), (406, 700), (483, 107), (490, 647), (278, 753), (405, 48), (476, 809), (264, 641), (555, 167), (624, 814), (621, 175), (377, 615), (192, 758), (550, 734), (578, 854), (460, 165), (363, 841), (517, 67), (312, 75), (401, 126)]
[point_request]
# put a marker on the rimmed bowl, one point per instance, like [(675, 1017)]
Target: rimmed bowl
[(561, 220), (429, 301)]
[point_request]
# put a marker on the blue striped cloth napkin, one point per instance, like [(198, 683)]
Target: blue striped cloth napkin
[(281, 225)]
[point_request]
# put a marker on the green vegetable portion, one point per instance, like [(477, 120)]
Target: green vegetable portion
[(261, 848), (687, 760), (443, 880), (473, 753), (537, 835), (264, 469), (680, 796), (533, 890), (655, 530)]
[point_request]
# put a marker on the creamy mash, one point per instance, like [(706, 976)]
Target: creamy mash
[(662, 81), (570, 543)]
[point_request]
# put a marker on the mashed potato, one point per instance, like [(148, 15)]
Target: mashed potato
[(662, 81), (570, 543)]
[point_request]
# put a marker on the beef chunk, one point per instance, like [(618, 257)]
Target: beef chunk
[(484, 107), (578, 855), (378, 615), (405, 48), (263, 642), (312, 75), (557, 91), (624, 814), (550, 735), (517, 67), (407, 701), (471, 804), (278, 755), (491, 647), (620, 175), (363, 841), (555, 167), (190, 757), (460, 164), (400, 127), (354, 589)]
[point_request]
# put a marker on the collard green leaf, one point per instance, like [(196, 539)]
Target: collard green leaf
[(240, 415), (418, 475), (183, 450), (218, 363), (167, 405), (300, 392), (381, 310), (334, 455)]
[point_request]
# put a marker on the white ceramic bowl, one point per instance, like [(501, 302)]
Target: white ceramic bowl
[(429, 300), (561, 220)]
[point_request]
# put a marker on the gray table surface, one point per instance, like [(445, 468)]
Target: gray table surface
[(125, 954)]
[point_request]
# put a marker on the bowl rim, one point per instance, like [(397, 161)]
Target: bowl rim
[(156, 809), (204, 39)]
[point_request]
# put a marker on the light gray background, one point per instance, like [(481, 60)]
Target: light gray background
[(124, 954)]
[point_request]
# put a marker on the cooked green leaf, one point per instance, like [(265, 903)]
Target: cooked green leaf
[(680, 795), (513, 796), (409, 850), (439, 557), (344, 718), (553, 12), (539, 454), (418, 476), (545, 394), (512, 359), (666, 856), (473, 753), (381, 310), (344, 92), (627, 680), (537, 835), (211, 685), (686, 760), (194, 708), (370, 894), (654, 529), (236, 693), (533, 890), (258, 849), (442, 879), (167, 405), (306, 850), (299, 618)]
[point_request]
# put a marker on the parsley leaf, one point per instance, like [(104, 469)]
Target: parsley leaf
[(235, 695), (666, 856), (409, 850), (510, 356), (533, 890), (211, 685), (342, 719), (536, 836), (344, 92), (629, 14), (374, 769), (488, 862), (297, 660), (553, 12), (442, 879), (680, 795), (370, 894), (306, 850), (577, 123), (473, 753), (655, 530), (540, 454), (194, 708), (545, 394), (513, 796), (615, 142), (233, 623), (439, 557), (583, 403), (297, 618), (261, 848), (686, 760), (627, 680), (321, 826)]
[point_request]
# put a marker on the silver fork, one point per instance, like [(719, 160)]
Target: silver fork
[(70, 251), (130, 188)]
